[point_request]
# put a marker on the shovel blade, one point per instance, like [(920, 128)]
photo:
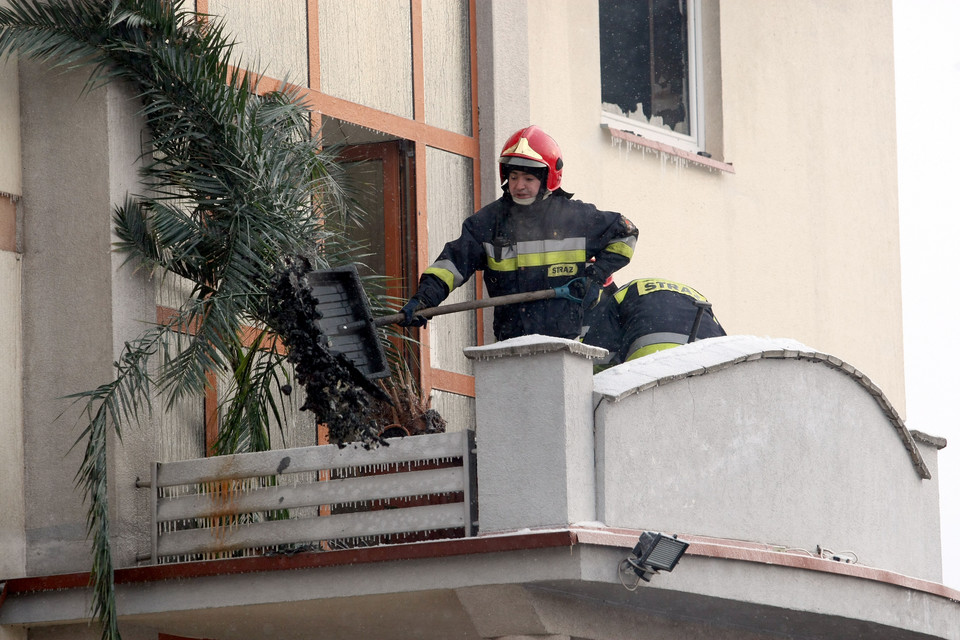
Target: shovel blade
[(347, 322)]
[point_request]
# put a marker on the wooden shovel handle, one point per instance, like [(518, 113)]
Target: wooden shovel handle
[(456, 307)]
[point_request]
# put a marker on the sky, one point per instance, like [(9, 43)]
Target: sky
[(927, 54)]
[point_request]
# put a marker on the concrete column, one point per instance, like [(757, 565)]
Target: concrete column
[(80, 157), (535, 458)]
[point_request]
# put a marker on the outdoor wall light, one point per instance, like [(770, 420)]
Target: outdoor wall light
[(654, 553)]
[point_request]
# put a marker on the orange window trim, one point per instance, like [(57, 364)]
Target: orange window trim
[(477, 173), (451, 382), (211, 418), (313, 44), (386, 153)]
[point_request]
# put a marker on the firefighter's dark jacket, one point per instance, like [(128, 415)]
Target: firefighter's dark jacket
[(527, 248), (645, 316)]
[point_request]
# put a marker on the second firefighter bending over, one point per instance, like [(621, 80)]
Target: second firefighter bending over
[(646, 316), (534, 237)]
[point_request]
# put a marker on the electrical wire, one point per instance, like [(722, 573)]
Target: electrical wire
[(796, 549), (620, 572), (848, 557)]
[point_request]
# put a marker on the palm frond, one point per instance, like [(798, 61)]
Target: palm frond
[(235, 186), (253, 405), (119, 401)]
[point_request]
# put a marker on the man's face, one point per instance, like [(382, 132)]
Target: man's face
[(522, 184)]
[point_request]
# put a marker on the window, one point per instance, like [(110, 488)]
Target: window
[(651, 70)]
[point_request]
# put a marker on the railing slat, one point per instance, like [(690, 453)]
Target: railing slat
[(335, 491), (278, 532), (286, 461), (469, 442), (210, 493)]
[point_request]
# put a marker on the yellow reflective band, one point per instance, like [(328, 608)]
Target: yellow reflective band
[(547, 259), (620, 248), (523, 148), (650, 285), (509, 264), (443, 274), (651, 348)]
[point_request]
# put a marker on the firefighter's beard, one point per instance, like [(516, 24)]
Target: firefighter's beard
[(531, 199)]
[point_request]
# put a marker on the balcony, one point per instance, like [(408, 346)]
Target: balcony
[(787, 470)]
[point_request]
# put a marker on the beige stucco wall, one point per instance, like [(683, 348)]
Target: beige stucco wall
[(271, 35), (365, 53), (802, 240)]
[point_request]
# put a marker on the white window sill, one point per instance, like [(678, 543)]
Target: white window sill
[(659, 147)]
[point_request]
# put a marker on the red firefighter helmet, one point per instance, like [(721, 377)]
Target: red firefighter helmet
[(532, 147)]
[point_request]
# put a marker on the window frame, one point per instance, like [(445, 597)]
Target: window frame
[(696, 140)]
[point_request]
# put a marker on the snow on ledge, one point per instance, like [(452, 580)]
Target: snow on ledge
[(531, 345), (688, 360), (713, 354)]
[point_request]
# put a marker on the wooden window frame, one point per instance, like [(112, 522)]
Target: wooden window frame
[(694, 141), (416, 131)]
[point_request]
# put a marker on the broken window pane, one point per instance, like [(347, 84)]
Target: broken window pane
[(644, 62)]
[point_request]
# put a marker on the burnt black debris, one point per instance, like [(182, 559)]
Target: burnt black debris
[(337, 392)]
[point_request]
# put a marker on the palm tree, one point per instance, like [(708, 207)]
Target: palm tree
[(238, 197)]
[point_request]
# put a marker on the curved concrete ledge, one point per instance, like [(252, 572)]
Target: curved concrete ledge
[(715, 354), (744, 551)]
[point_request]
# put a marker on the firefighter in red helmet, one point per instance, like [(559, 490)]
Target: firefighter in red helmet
[(536, 236)]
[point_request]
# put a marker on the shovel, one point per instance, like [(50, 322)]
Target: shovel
[(350, 327)]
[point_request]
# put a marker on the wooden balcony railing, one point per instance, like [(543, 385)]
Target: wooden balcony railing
[(314, 498)]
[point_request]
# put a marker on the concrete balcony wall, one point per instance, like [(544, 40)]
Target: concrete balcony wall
[(708, 439)]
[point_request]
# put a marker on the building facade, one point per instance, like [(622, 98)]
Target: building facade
[(752, 143)]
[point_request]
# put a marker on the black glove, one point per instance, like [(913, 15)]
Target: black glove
[(586, 290), (409, 309), (589, 287), (591, 297), (592, 272)]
